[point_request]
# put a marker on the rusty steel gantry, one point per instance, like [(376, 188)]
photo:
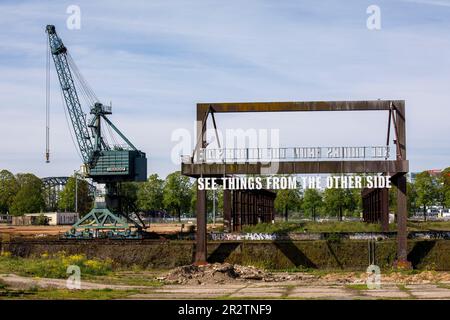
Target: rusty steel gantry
[(247, 207), (397, 168), (375, 204)]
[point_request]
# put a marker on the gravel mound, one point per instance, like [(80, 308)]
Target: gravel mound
[(222, 273)]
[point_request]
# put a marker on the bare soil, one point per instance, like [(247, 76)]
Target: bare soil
[(40, 231)]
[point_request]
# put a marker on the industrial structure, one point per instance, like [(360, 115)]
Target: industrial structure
[(375, 203), (397, 166), (50, 218), (104, 162), (53, 186), (247, 207)]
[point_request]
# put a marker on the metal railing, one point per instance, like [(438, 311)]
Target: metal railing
[(288, 154)]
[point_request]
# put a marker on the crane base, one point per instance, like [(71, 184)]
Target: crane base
[(102, 223)]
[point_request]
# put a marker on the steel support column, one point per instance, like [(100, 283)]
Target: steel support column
[(201, 231), (384, 202), (402, 253), (400, 182), (227, 210), (200, 250)]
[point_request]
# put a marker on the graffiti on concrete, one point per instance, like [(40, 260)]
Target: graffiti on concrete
[(370, 236), (260, 236), (432, 235), (254, 236)]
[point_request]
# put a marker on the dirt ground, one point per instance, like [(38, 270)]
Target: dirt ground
[(225, 281), (35, 231), (38, 231)]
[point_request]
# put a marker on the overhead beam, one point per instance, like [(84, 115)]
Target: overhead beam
[(294, 167), (365, 105)]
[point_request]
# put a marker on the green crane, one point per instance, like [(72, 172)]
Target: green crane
[(104, 162)]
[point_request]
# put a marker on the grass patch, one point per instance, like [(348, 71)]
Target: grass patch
[(126, 278), (428, 225), (313, 227), (65, 294), (357, 286), (54, 266), (96, 270), (403, 288), (341, 226), (289, 290), (2, 285)]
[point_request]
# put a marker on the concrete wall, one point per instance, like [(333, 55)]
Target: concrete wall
[(321, 254)]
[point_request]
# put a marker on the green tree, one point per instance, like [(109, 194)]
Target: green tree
[(29, 198), (9, 186), (445, 179), (286, 200), (426, 191), (440, 191), (353, 201), (66, 200), (128, 196), (445, 175), (312, 200), (177, 193), (150, 194), (447, 199), (411, 193), (209, 199), (334, 200), (393, 198), (193, 204), (41, 220)]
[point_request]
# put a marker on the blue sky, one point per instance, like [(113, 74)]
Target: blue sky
[(156, 59)]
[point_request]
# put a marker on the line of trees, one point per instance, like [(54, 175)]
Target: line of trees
[(312, 203), (176, 194), (25, 193), (429, 190), (20, 193), (426, 190)]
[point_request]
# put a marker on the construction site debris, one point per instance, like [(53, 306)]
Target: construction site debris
[(225, 272)]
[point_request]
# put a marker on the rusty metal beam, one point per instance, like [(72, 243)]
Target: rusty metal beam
[(200, 249), (295, 167), (248, 207), (376, 206), (402, 233), (365, 105)]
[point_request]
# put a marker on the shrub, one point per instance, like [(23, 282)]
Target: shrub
[(5, 254), (55, 266)]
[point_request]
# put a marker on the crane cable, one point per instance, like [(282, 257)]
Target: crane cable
[(47, 105), (69, 126), (87, 95), (111, 134), (90, 97), (84, 84)]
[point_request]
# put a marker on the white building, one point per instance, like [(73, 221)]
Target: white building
[(57, 218)]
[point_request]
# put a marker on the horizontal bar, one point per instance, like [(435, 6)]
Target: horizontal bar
[(363, 105), (392, 167)]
